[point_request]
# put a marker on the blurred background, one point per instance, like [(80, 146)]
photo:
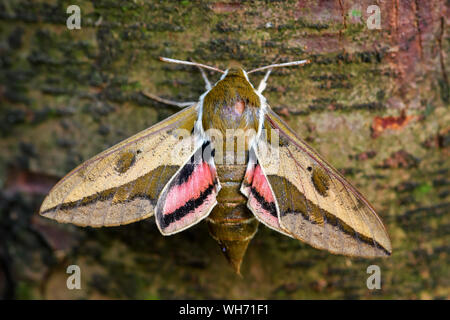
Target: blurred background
[(374, 102)]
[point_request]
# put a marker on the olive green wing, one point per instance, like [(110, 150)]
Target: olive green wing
[(122, 184), (314, 202)]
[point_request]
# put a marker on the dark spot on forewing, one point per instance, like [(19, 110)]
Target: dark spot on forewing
[(125, 162), (320, 180)]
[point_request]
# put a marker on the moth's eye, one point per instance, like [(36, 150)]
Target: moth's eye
[(309, 169)]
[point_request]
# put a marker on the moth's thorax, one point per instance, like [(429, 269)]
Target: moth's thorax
[(231, 104), (231, 110)]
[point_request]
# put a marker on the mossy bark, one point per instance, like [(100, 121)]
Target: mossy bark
[(373, 102)]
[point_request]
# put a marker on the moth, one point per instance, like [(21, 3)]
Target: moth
[(227, 159)]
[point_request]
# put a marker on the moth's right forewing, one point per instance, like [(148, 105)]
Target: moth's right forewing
[(122, 184), (315, 203)]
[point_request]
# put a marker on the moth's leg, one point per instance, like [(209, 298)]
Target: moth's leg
[(205, 77), (263, 83), (168, 102)]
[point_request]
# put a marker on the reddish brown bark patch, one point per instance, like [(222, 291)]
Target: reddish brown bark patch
[(223, 7), (61, 239), (364, 155), (22, 180), (381, 124)]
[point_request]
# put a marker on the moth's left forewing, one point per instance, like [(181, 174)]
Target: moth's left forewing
[(122, 184), (315, 203)]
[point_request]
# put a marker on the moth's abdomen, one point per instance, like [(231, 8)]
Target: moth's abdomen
[(231, 223)]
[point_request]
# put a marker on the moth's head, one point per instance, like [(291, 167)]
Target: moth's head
[(236, 71), (235, 65)]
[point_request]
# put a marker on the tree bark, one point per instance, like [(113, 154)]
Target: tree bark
[(374, 102)]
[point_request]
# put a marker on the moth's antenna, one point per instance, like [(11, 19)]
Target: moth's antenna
[(280, 65), (189, 63)]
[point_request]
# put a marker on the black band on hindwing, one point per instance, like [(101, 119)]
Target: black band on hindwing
[(189, 206), (268, 206)]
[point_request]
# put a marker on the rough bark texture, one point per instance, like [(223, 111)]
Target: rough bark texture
[(373, 102)]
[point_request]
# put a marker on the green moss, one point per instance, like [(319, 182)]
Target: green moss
[(24, 291)]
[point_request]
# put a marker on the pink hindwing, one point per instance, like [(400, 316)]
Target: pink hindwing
[(260, 196), (190, 195)]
